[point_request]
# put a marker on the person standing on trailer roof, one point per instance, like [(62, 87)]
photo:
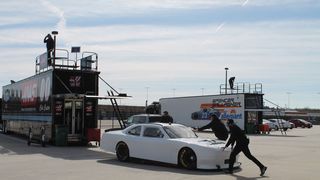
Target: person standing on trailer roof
[(50, 46)]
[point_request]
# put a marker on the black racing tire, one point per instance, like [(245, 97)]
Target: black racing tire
[(187, 159), (122, 152)]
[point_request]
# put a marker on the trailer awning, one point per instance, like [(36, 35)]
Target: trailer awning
[(107, 97), (265, 110)]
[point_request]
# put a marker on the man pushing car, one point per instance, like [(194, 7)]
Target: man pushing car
[(242, 145), (218, 128)]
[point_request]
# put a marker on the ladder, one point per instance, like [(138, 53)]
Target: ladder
[(116, 109), (279, 121), (278, 117), (114, 104)]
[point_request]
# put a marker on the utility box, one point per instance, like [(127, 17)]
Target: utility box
[(93, 134)]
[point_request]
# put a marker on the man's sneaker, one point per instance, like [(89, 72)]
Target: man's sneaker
[(263, 170)]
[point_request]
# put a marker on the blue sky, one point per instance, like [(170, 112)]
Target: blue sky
[(175, 47)]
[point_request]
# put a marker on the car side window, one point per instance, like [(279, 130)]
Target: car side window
[(135, 131), (139, 119), (153, 132)]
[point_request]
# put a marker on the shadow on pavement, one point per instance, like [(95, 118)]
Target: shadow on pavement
[(274, 135), (158, 166), (13, 145), (248, 178)]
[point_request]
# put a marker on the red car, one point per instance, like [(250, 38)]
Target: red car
[(301, 123)]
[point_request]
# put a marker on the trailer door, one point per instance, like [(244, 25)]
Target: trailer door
[(74, 115)]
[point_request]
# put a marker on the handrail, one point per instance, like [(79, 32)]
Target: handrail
[(93, 62), (242, 87), (62, 61)]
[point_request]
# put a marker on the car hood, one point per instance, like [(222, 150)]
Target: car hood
[(201, 142)]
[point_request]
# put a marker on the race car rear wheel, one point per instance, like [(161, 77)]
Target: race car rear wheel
[(187, 158), (122, 152)]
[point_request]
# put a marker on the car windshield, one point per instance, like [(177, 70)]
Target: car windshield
[(179, 132)]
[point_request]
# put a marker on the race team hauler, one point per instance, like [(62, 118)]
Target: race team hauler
[(194, 111), (58, 99)]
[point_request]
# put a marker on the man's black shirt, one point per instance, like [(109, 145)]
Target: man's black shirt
[(218, 128), (166, 119), (237, 135)]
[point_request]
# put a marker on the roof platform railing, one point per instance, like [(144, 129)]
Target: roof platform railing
[(61, 60), (241, 88)]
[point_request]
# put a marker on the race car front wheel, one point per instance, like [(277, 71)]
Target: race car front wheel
[(122, 152), (187, 158)]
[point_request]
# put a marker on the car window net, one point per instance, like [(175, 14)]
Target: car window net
[(152, 132)]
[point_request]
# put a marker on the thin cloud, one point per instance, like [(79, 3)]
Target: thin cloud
[(61, 25), (245, 3), (220, 27), (164, 56)]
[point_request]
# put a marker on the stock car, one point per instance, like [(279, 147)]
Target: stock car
[(167, 143)]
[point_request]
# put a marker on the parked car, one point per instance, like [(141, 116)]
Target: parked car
[(143, 118), (272, 125), (281, 123), (301, 123), (168, 143), (292, 125)]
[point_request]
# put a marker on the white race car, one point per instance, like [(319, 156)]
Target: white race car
[(168, 143)]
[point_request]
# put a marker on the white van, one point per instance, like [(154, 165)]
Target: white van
[(143, 118)]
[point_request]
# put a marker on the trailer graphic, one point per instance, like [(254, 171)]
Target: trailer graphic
[(226, 107)]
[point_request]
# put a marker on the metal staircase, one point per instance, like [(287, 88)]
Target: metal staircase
[(116, 109), (277, 112), (113, 99)]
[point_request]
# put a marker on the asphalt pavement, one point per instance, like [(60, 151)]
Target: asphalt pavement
[(294, 156)]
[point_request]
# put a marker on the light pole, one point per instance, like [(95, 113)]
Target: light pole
[(288, 93), (120, 90), (226, 84), (174, 92), (55, 33), (147, 95)]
